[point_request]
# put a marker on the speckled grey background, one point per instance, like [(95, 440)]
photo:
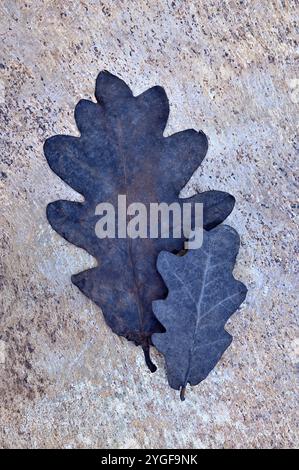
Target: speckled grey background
[(229, 68)]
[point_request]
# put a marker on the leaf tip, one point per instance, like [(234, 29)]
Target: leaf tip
[(110, 88), (204, 142)]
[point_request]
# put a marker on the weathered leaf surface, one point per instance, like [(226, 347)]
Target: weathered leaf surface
[(203, 294), (121, 150)]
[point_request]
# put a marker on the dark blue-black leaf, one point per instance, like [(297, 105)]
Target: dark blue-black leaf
[(203, 294), (122, 150)]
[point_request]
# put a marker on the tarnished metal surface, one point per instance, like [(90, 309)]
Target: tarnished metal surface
[(229, 68)]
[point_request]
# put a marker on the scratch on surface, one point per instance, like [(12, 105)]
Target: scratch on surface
[(77, 359), (2, 351)]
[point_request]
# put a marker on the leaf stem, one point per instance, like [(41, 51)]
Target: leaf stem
[(148, 361), (182, 393)]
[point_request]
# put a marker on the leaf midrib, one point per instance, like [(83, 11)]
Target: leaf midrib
[(136, 290)]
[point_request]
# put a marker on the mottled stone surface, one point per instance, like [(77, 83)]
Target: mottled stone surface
[(229, 69)]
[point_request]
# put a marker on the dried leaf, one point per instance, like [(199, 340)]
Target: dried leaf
[(203, 294), (122, 150)]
